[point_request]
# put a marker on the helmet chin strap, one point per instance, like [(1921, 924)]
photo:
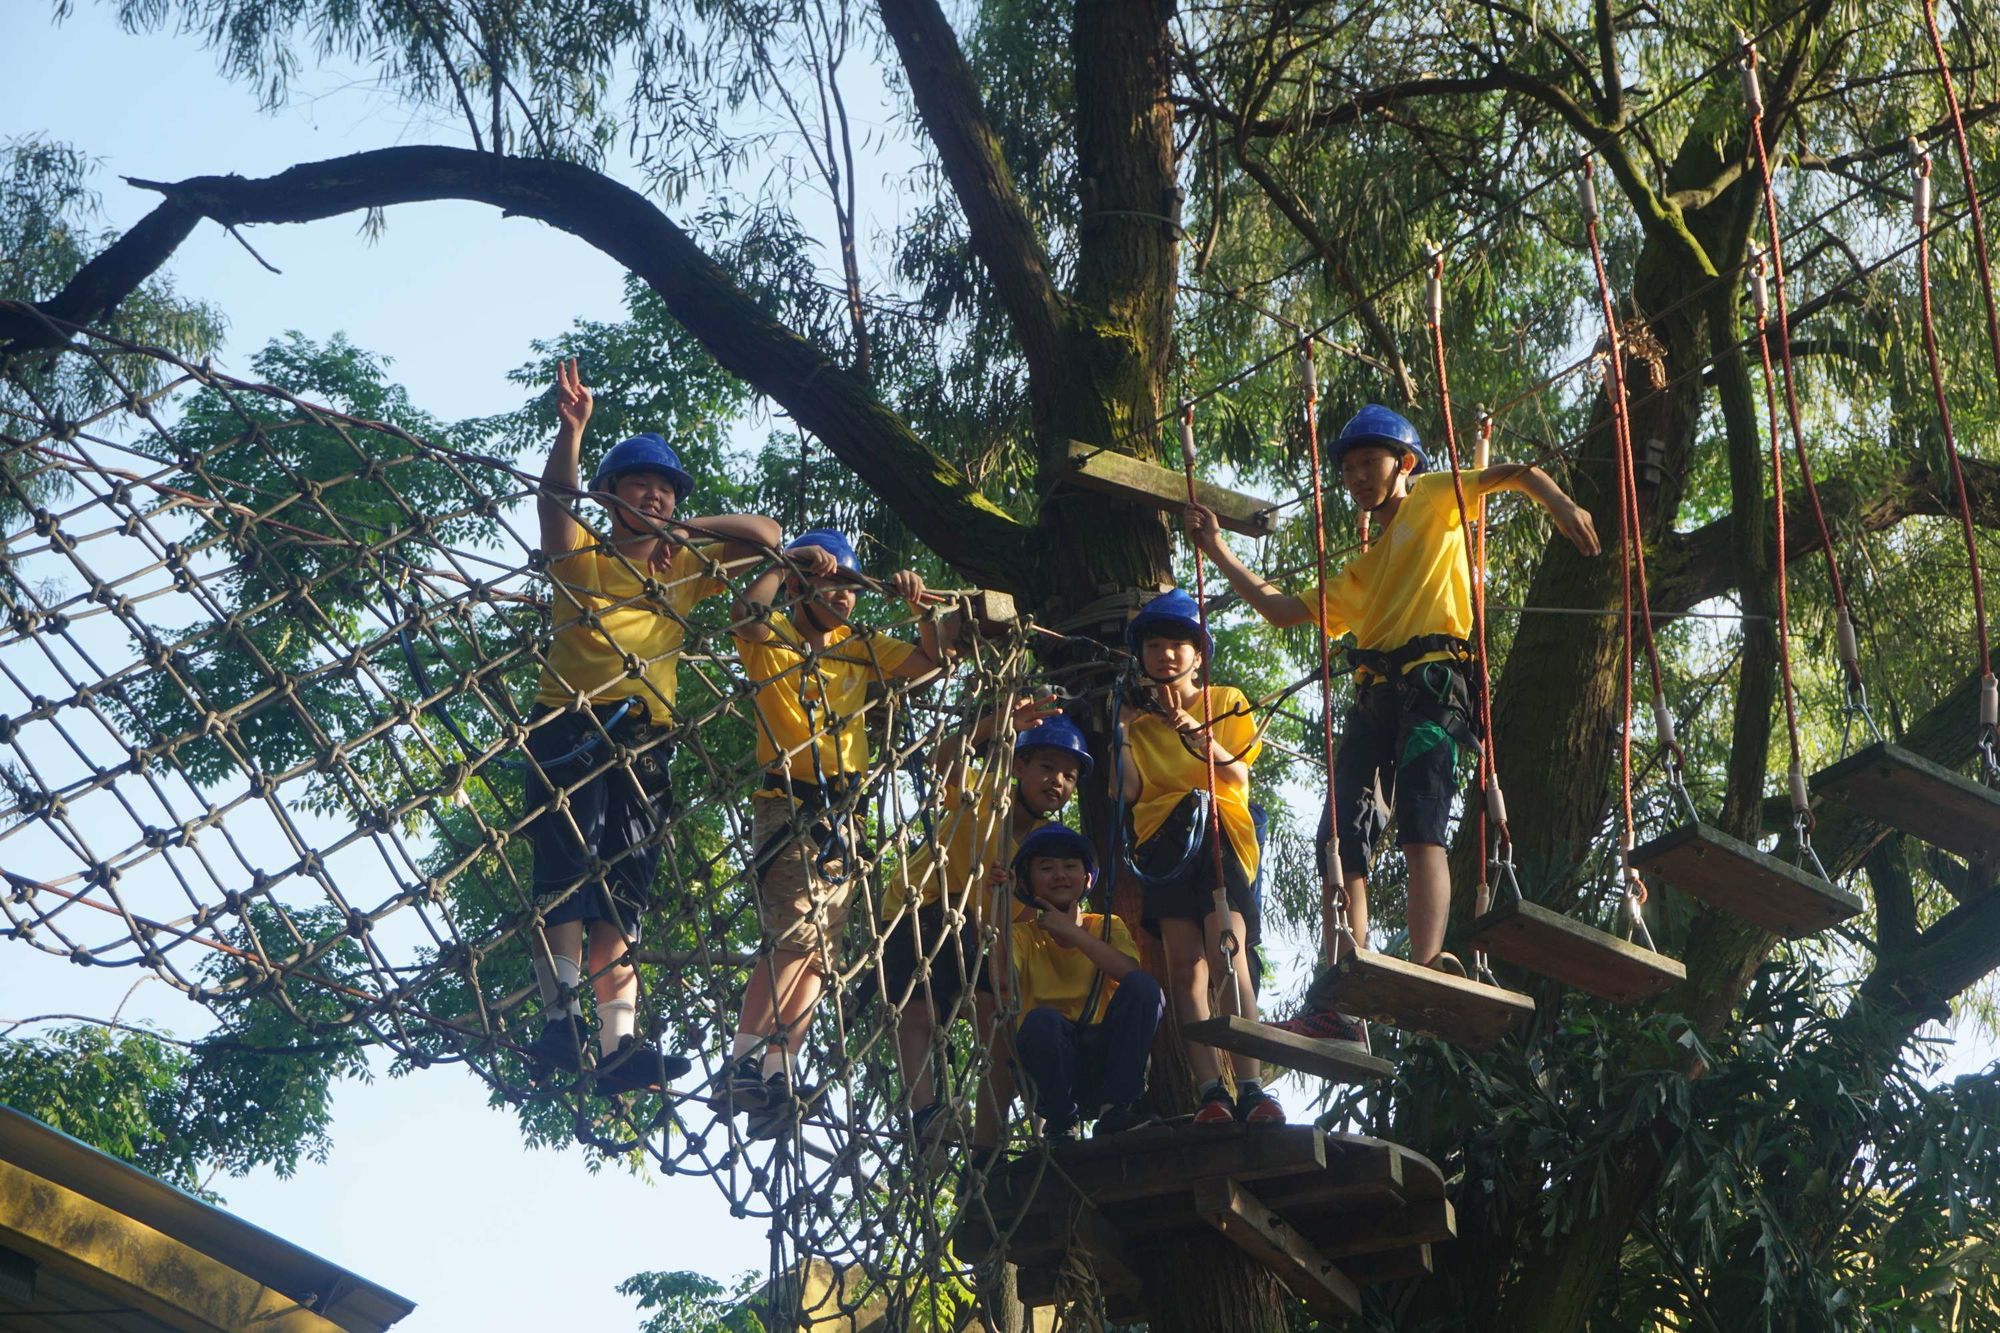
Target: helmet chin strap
[(817, 612)]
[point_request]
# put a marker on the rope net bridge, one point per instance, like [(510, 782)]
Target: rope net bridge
[(266, 731)]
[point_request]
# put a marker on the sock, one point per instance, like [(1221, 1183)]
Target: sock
[(776, 1059), (615, 1019), (1213, 1085), (551, 991), (746, 1042), (566, 975), (1247, 1088)]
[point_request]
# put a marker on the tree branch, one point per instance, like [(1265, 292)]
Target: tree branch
[(1003, 236), (1694, 566), (941, 508)]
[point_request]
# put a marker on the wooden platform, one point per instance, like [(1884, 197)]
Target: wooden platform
[(1112, 473), (1328, 1213), (1739, 879), (1388, 990), (1907, 791), (1550, 944), (1337, 1062)]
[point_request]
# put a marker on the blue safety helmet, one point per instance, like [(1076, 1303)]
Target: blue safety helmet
[(1060, 841), (1172, 614), (643, 453), (1376, 424), (829, 539), (1056, 733)]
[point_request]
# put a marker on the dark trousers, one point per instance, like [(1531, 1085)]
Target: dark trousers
[(1075, 1069)]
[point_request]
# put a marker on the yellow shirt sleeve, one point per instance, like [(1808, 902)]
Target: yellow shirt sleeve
[(1343, 597)]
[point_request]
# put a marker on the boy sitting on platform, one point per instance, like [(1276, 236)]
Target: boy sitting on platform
[(1408, 602), (1164, 774), (1088, 1011), (607, 693), (982, 822), (812, 671)]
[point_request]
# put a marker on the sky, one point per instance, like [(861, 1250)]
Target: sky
[(428, 1191)]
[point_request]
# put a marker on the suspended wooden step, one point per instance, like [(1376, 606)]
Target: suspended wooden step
[(1112, 473), (1907, 791), (1334, 1061), (1550, 944), (1739, 879), (1327, 1213), (1388, 990)]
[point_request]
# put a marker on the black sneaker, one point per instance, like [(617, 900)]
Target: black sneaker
[(1259, 1108), (638, 1066), (1217, 1108), (1123, 1118), (931, 1124), (557, 1051), (783, 1106), (1062, 1133), (746, 1089)]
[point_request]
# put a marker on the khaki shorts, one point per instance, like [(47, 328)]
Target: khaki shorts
[(806, 872)]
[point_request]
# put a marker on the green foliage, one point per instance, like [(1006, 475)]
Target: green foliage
[(688, 1302)]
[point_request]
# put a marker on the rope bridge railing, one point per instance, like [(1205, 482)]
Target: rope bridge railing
[(269, 730)]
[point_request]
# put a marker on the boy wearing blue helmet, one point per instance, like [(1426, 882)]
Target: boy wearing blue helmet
[(812, 671), (601, 732), (1088, 1010), (1408, 602), (935, 902), (1163, 776)]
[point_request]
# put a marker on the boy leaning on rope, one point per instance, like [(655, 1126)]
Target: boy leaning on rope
[(812, 671), (601, 734), (1180, 729), (1408, 602)]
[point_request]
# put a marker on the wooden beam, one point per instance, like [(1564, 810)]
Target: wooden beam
[(1111, 1257), (1734, 876), (1596, 962), (1906, 791), (1388, 990), (1334, 1061), (1148, 1164), (1409, 1226), (991, 613), (1100, 469), (1275, 1243), (1370, 1270)]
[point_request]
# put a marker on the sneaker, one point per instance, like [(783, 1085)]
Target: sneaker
[(1448, 964), (557, 1051), (746, 1089), (931, 1124), (1259, 1108), (1062, 1133), (782, 1109), (1327, 1025), (638, 1066), (1217, 1108), (1123, 1118)]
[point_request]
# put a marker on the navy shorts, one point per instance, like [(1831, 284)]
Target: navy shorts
[(1399, 750), (619, 796), (1176, 869)]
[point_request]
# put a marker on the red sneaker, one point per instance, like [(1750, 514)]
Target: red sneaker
[(1216, 1108), (1260, 1108), (1326, 1025)]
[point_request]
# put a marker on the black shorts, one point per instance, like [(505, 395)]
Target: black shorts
[(619, 798), (953, 954), (1399, 749), (1176, 869)]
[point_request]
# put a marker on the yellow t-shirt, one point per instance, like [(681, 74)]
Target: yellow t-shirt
[(974, 834), (1168, 770), (1056, 977), (835, 686), (1413, 580), (592, 582)]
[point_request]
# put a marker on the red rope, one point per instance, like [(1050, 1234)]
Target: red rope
[(1792, 408), (1992, 322), (1333, 881), (1434, 298), (1229, 943)]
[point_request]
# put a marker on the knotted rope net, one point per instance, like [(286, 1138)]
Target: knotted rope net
[(268, 676)]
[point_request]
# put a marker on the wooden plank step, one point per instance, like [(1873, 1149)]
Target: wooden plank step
[(1596, 962), (1370, 1270), (1388, 990), (1926, 800), (1252, 1227), (1334, 1061), (1736, 877), (1112, 473), (1148, 1163)]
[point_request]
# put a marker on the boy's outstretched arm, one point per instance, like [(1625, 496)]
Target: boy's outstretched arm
[(559, 474), (932, 655), (754, 602), (1271, 602), (1571, 518)]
